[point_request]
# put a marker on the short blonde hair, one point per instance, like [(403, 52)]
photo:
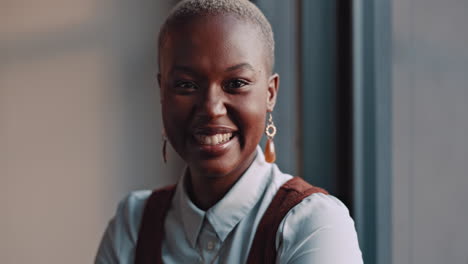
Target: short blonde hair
[(242, 9)]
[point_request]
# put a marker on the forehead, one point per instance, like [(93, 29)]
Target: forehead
[(210, 42)]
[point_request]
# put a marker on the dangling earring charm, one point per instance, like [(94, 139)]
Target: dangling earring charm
[(164, 145), (270, 131)]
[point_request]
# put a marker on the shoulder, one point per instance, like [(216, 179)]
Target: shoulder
[(134, 200), (119, 240), (130, 211), (318, 229), (126, 221), (319, 209)]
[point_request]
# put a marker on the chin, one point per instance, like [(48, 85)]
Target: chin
[(213, 168)]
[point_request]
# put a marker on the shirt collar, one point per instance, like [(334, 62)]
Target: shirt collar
[(241, 198), (191, 216), (231, 209)]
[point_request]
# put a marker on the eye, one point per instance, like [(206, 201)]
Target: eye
[(185, 85), (235, 84)]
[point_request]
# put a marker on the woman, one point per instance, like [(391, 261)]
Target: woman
[(217, 89)]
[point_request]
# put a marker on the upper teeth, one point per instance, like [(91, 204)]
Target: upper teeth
[(213, 139)]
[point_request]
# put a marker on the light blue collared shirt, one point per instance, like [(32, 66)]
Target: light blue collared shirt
[(317, 230)]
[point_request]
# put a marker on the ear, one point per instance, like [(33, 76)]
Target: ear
[(273, 86), (160, 89), (159, 80)]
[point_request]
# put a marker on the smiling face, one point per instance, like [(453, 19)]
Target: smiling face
[(216, 89)]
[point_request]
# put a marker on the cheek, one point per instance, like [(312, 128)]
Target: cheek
[(175, 116), (251, 117), (175, 109)]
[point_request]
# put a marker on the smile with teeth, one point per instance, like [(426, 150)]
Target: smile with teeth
[(213, 139)]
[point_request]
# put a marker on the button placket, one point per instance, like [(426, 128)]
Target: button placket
[(210, 245)]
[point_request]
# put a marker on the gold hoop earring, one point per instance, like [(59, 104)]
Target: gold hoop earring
[(164, 145), (270, 131)]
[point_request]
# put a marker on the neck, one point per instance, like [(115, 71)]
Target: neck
[(204, 194), (206, 191)]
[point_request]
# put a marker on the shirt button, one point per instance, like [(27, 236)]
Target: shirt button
[(210, 245)]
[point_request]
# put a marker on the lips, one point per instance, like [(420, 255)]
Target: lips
[(213, 139)]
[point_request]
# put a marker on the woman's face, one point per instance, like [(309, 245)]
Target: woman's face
[(216, 89)]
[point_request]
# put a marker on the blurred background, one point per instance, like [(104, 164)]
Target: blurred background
[(373, 106)]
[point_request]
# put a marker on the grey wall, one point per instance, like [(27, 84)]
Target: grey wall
[(430, 131), (283, 18), (79, 122)]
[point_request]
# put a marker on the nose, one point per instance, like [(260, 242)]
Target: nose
[(212, 103)]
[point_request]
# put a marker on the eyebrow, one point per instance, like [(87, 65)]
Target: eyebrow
[(241, 66), (180, 68), (187, 69)]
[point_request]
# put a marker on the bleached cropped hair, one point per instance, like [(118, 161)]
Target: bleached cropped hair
[(242, 9)]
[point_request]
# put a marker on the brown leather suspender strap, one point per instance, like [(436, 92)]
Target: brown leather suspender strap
[(151, 233), (263, 249)]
